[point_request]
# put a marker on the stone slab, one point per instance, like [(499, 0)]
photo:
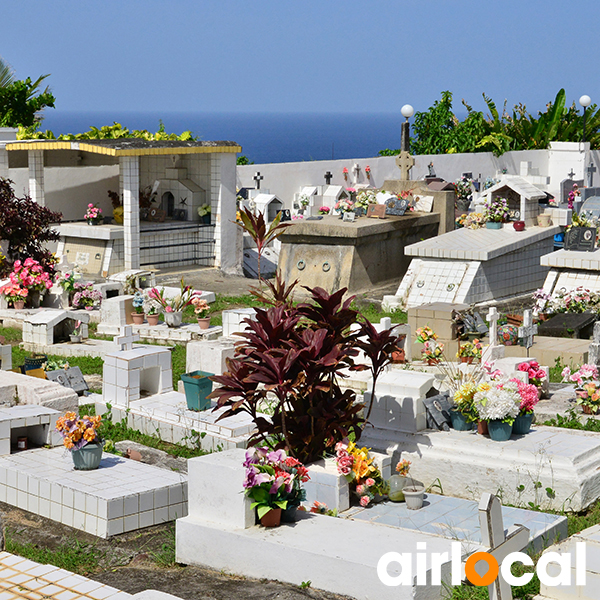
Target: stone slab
[(122, 495), (571, 259), (569, 325)]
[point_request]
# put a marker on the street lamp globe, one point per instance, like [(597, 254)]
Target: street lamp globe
[(407, 111), (585, 101)]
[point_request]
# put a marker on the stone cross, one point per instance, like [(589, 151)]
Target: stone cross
[(258, 177), (528, 330), (571, 174), (590, 172), (499, 544), (355, 172), (127, 337), (405, 162), (328, 177), (492, 318)]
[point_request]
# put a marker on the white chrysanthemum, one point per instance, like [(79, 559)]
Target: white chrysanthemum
[(498, 403)]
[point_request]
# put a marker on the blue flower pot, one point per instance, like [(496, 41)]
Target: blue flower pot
[(493, 224), (197, 386), (522, 424), (459, 422), (87, 458), (499, 431)]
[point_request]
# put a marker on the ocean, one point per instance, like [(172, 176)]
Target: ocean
[(264, 137)]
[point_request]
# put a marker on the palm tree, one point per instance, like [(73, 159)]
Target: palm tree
[(7, 75)]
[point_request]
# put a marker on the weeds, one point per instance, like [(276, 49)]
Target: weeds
[(165, 557)]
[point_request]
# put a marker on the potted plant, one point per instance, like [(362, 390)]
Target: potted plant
[(413, 492), (152, 312), (15, 294), (30, 274), (75, 335), (432, 352), (173, 307), (589, 399), (496, 212), (360, 472), (81, 437), (201, 310), (528, 393), (138, 308), (197, 386), (204, 213), (498, 404), (469, 351), (463, 414), (86, 296), (267, 483), (93, 215), (324, 210)]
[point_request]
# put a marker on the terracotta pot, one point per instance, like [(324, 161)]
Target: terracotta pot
[(519, 225), (19, 304), (432, 361), (466, 359), (138, 318), (398, 356), (589, 410), (152, 320), (482, 428), (204, 322), (272, 518)]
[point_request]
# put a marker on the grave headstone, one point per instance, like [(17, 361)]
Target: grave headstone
[(424, 204), (438, 412), (376, 211), (349, 217), (493, 351), (581, 239), (127, 337), (405, 163), (396, 206), (328, 177), (567, 186), (590, 173), (5, 357), (572, 325), (71, 378), (258, 178)]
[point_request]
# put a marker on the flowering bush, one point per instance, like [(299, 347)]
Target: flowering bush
[(201, 307), (356, 466), (535, 374), (528, 393), (470, 349), (497, 210), (30, 274), (273, 479), (13, 293), (585, 374), (138, 302), (179, 302), (93, 214), (324, 210), (425, 334), (76, 432), (497, 401)]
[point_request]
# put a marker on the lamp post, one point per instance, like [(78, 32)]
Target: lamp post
[(407, 111), (585, 101)]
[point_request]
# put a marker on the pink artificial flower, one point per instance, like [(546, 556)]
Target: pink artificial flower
[(169, 309), (523, 367), (364, 501), (361, 490), (370, 482)]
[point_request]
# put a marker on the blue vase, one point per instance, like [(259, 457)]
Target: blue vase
[(522, 424), (499, 431), (493, 224), (88, 457), (459, 422)]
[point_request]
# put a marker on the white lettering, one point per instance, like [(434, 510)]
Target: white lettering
[(508, 562), (564, 563), (580, 566), (405, 562)]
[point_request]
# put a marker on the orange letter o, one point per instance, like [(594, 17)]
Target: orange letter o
[(472, 574)]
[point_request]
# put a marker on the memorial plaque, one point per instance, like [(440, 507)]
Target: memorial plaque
[(314, 218), (376, 211), (58, 376), (438, 412), (582, 239), (157, 215), (71, 378), (396, 207), (349, 216), (286, 214)]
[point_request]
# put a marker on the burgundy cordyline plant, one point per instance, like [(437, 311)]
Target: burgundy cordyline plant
[(292, 358)]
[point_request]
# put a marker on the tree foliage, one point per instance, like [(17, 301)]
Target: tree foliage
[(439, 131), (26, 226), (19, 104)]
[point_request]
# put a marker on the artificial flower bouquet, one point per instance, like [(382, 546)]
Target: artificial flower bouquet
[(14, 292), (93, 214), (77, 433), (432, 350), (463, 188), (497, 210), (365, 198), (535, 374), (497, 401), (470, 350), (30, 275), (86, 296), (358, 469), (475, 221), (204, 210), (589, 397), (463, 400), (67, 280), (344, 205), (425, 334), (201, 307), (138, 302), (273, 480), (179, 302), (528, 394), (324, 210), (585, 374)]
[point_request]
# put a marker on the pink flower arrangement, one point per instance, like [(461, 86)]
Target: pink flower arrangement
[(586, 374), (367, 169), (93, 213), (324, 210), (30, 275), (529, 396), (533, 371), (13, 293), (345, 170)]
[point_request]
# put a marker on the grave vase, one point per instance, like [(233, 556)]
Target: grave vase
[(197, 386), (19, 304), (459, 422), (272, 518), (75, 339), (466, 359), (33, 299), (519, 225), (482, 427), (493, 224), (87, 458), (522, 424), (397, 483), (499, 431), (173, 319), (414, 495), (138, 318), (152, 320), (544, 220), (589, 410)]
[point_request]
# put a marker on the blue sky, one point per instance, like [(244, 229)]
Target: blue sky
[(311, 56)]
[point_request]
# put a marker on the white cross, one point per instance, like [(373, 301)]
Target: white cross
[(499, 544), (405, 162), (127, 337), (492, 318), (528, 330)]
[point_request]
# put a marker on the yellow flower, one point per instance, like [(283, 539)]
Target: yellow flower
[(484, 386)]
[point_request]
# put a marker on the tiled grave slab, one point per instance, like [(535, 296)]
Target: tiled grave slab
[(25, 579), (168, 414), (564, 461), (122, 495), (37, 423), (457, 518)]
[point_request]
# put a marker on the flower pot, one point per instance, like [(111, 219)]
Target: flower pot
[(19, 304), (173, 319), (34, 362), (499, 431), (138, 318), (459, 422), (463, 204), (432, 361), (544, 220), (466, 359), (204, 322), (398, 356), (589, 410), (33, 299), (288, 515), (397, 483), (414, 496), (197, 386), (493, 225), (272, 518), (75, 339), (522, 424), (205, 219), (482, 428), (88, 457), (519, 225), (152, 320)]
